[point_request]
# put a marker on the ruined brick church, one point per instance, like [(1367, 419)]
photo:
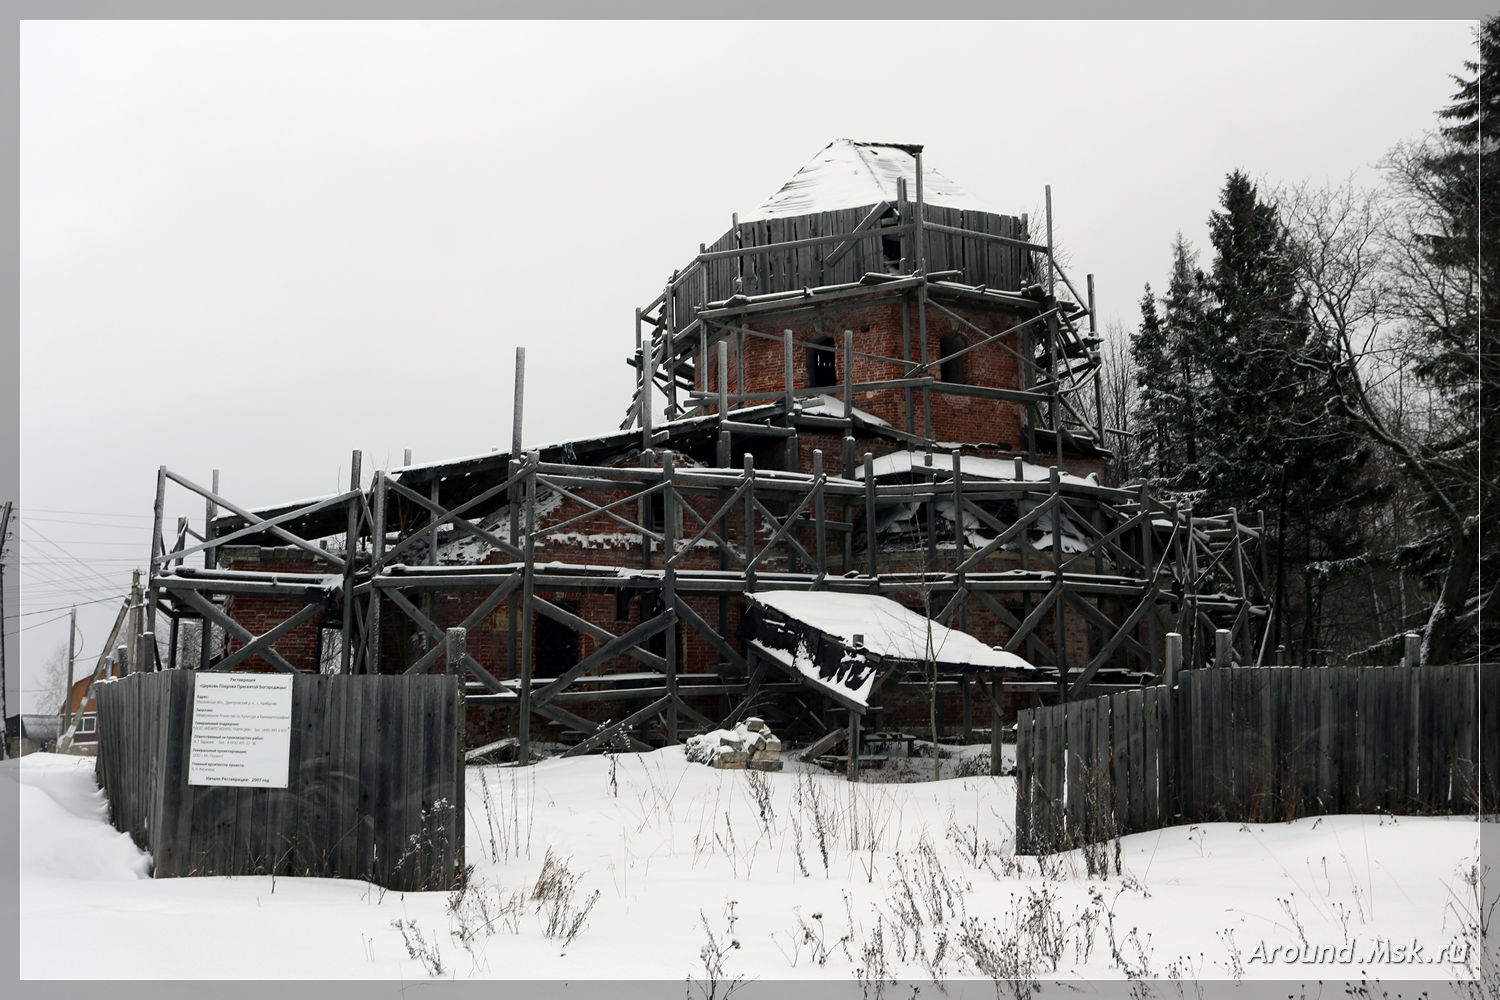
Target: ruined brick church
[(864, 468)]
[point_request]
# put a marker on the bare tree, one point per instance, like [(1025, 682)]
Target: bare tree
[(1117, 387), (52, 683), (1369, 289)]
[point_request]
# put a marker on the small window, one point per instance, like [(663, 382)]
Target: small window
[(952, 368), (822, 363), (86, 724), (890, 246), (656, 514)]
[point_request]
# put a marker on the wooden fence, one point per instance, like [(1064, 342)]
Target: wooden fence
[(1258, 745), (375, 782)]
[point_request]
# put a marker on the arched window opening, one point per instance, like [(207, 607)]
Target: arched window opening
[(952, 368), (822, 363)]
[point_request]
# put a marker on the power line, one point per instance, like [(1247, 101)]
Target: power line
[(33, 625), (86, 513), (41, 534), (91, 524), (64, 607)]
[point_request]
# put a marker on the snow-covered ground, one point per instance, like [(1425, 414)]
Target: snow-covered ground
[(663, 869)]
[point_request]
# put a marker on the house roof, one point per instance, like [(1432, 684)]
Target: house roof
[(851, 174)]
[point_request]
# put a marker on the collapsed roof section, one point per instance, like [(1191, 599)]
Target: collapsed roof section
[(845, 645)]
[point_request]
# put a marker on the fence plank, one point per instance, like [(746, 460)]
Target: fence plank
[(1152, 726), (1120, 760), (1025, 746), (1135, 719), (1073, 756)]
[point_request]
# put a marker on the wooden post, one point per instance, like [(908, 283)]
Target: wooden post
[(724, 440), (1054, 373), (648, 377), (958, 556), (134, 626), (527, 613), (723, 385), (820, 528), (1098, 384), (512, 605), (749, 522), (872, 565), (996, 744), (669, 578), (640, 381), (966, 711), (848, 374), (1194, 651), (852, 770), (921, 222), (518, 399), (156, 548), (351, 544), (405, 458), (377, 559), (930, 481), (1221, 647), (1173, 658), (910, 399), (922, 350), (1059, 611), (1412, 650), (1148, 559), (787, 364), (145, 651), (455, 648), (1051, 267), (210, 559), (517, 493)]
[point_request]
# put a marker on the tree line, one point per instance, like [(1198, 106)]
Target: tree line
[(1330, 365)]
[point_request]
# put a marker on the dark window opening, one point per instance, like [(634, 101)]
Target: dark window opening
[(656, 512), (890, 250), (822, 363), (622, 605), (952, 368), (890, 246), (556, 643)]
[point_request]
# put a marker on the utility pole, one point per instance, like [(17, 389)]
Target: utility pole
[(136, 627), (67, 705), (4, 733)]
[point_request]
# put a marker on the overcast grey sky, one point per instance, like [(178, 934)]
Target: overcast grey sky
[(259, 246)]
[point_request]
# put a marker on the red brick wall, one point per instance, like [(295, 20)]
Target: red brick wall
[(877, 329), (260, 614)]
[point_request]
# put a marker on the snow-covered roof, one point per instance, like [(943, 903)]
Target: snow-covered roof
[(849, 174), (887, 629), (1001, 469)]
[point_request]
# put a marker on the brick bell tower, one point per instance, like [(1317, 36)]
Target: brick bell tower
[(872, 275)]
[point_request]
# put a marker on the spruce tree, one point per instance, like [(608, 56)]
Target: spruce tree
[(1184, 330), (1267, 403), (1154, 412), (1167, 351)]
